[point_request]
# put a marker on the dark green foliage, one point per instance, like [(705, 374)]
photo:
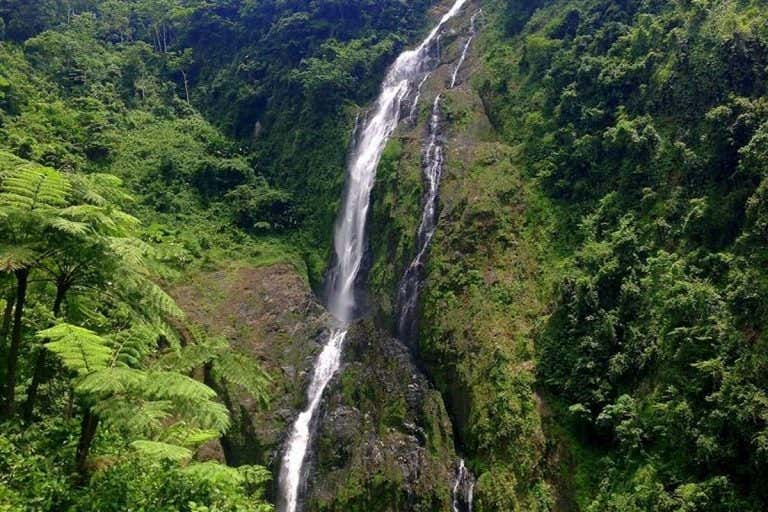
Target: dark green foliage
[(644, 123)]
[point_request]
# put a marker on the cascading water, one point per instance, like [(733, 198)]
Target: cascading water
[(349, 244), (463, 489), (408, 291), (465, 50), (415, 104), (432, 165)]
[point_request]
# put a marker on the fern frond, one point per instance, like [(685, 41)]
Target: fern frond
[(175, 386), (194, 401), (214, 473), (100, 189), (131, 251), (29, 186), (156, 299), (238, 369), (111, 381), (185, 359), (199, 350), (184, 435), (106, 220), (16, 257), (80, 350), (67, 226), (209, 415), (255, 475), (133, 345), (162, 451), (135, 415)]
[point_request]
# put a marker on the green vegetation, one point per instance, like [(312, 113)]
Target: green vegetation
[(597, 296), (642, 126), (141, 141)]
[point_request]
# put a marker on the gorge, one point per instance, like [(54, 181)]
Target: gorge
[(383, 255)]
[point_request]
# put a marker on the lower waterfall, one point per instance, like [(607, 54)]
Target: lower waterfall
[(462, 493)]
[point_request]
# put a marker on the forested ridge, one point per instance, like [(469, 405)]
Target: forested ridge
[(642, 126), (594, 304)]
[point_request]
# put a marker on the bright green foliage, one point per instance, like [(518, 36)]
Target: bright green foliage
[(82, 351), (137, 400), (231, 370)]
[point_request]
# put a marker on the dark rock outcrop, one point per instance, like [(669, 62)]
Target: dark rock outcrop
[(384, 441)]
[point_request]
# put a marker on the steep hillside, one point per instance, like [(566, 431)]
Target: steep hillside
[(598, 254), (578, 325)]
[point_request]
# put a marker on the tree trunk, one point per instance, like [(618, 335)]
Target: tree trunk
[(226, 443), (22, 278), (186, 85), (87, 433), (40, 363), (5, 328), (7, 316)]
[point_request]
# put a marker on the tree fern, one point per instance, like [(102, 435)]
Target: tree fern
[(158, 450), (99, 189), (114, 380), (194, 400), (68, 226), (27, 186), (106, 220), (134, 345), (17, 256), (215, 473), (175, 386), (240, 370), (135, 416), (79, 349), (199, 350), (187, 435)]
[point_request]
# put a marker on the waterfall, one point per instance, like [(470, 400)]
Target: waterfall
[(465, 50), (349, 245), (408, 291), (415, 104), (463, 489), (325, 367)]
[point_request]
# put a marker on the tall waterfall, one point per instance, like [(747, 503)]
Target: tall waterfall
[(432, 166), (408, 291), (462, 492), (349, 244)]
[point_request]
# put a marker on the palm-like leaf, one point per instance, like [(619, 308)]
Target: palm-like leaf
[(16, 257), (215, 473), (113, 380), (158, 450), (134, 415), (81, 350), (28, 186), (240, 370), (183, 434)]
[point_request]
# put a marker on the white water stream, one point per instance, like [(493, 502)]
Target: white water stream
[(408, 291), (465, 50), (463, 503), (349, 245)]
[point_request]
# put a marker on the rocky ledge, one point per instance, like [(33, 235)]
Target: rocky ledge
[(384, 440)]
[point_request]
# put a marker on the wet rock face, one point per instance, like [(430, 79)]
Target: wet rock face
[(270, 314), (383, 441)]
